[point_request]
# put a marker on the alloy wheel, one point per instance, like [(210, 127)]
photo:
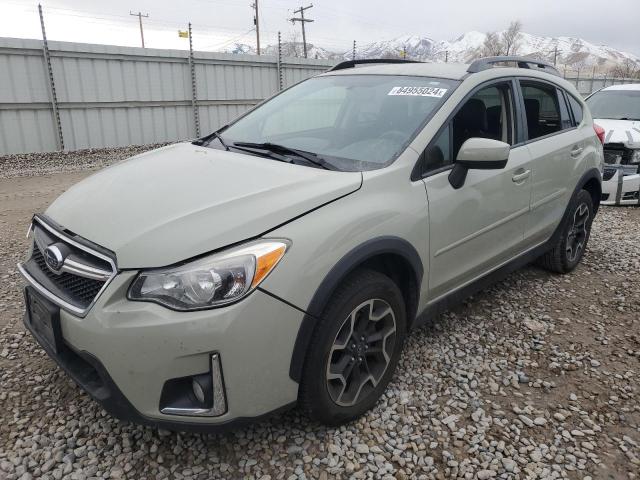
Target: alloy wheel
[(361, 352), (577, 236)]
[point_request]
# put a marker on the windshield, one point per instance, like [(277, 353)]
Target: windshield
[(615, 104), (353, 122)]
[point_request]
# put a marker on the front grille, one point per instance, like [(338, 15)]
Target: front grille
[(617, 154), (80, 274), (81, 290)]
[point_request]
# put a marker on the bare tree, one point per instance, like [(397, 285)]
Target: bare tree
[(510, 38), (628, 69), (492, 45), (292, 47)]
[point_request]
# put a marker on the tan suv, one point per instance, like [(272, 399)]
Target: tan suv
[(282, 259)]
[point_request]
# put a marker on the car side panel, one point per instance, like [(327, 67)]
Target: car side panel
[(557, 167), (387, 205), (480, 225)]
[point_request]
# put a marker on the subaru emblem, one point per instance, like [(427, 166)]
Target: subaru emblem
[(53, 258)]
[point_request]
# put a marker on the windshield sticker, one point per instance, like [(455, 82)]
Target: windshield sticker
[(419, 91)]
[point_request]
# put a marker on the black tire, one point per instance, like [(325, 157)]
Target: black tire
[(563, 258), (319, 393)]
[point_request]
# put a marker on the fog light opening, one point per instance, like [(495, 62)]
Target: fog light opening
[(201, 395)]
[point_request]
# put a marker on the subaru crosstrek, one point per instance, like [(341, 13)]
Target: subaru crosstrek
[(283, 259)]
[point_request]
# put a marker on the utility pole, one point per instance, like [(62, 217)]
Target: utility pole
[(353, 54), (140, 15), (256, 22), (555, 55), (446, 56), (302, 20)]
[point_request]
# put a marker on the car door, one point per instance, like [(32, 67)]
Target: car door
[(557, 150), (481, 225)]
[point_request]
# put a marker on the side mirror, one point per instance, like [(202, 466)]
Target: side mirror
[(478, 154)]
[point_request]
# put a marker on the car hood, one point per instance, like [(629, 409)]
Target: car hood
[(626, 132), (180, 201)]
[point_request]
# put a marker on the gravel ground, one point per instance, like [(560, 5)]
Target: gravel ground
[(30, 164), (536, 377)]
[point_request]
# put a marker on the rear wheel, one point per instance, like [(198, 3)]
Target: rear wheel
[(354, 350), (569, 248)]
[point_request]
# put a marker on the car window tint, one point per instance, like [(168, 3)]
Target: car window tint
[(542, 110), (576, 108), (566, 120)]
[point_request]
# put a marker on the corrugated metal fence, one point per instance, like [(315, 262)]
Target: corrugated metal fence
[(589, 84), (117, 96)]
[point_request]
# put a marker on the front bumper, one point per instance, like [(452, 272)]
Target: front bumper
[(622, 185), (123, 352)]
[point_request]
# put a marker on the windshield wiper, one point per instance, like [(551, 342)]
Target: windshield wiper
[(277, 148), (263, 152), (204, 140), (219, 137)]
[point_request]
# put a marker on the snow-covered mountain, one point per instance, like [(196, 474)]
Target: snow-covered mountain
[(572, 52), (289, 49)]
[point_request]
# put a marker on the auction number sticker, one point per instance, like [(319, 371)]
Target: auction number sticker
[(419, 91)]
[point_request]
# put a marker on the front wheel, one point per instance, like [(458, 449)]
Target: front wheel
[(570, 246), (354, 349)]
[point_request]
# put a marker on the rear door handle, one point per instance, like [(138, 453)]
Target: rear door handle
[(519, 177), (576, 151)]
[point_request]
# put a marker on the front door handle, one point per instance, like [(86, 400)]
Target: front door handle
[(576, 151), (520, 177)]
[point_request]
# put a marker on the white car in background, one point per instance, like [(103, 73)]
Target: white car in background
[(617, 110)]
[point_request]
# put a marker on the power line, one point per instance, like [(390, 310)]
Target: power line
[(302, 21), (139, 15)]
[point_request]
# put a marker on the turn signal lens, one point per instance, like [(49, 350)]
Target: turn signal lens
[(266, 262)]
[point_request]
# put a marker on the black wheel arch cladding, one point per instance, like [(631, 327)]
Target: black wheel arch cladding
[(371, 249)]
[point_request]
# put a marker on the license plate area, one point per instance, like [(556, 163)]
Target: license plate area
[(43, 318)]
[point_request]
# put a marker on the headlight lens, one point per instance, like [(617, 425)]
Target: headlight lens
[(635, 156), (212, 281)]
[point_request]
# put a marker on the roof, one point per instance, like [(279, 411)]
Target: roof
[(453, 71), (628, 86)]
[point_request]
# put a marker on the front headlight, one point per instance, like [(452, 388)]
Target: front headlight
[(635, 156), (211, 281)]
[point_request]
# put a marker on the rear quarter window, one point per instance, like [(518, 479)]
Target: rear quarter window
[(576, 109)]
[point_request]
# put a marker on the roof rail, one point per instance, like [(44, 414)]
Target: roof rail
[(523, 62), (353, 63)]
